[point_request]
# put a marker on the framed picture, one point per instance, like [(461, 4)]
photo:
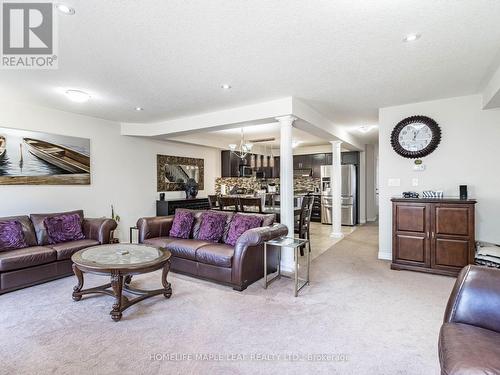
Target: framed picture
[(174, 171), (36, 158)]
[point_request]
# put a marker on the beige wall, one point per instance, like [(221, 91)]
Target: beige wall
[(468, 154), (123, 168)]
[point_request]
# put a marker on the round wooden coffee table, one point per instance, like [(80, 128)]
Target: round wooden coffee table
[(121, 262)]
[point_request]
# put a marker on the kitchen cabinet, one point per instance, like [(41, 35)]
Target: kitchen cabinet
[(350, 157), (276, 169), (317, 161), (302, 161), (433, 235), (230, 164)]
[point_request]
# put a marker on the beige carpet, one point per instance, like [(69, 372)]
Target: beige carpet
[(364, 318)]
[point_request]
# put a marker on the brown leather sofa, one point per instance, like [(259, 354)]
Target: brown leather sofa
[(41, 261), (237, 266), (469, 340)]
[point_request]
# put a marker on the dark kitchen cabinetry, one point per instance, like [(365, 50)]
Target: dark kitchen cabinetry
[(433, 235), (276, 169), (350, 157), (230, 164), (317, 161), (302, 161)]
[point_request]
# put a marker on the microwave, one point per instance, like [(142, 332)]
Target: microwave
[(246, 171)]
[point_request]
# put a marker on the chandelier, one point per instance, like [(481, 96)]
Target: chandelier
[(243, 149)]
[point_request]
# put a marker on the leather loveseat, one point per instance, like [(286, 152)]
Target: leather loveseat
[(469, 340), (237, 266), (41, 261)]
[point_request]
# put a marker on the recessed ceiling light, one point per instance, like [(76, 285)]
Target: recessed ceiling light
[(411, 37), (225, 86), (366, 128), (139, 109), (65, 9), (77, 96)]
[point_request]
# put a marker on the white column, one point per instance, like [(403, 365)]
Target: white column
[(286, 187), (336, 183)]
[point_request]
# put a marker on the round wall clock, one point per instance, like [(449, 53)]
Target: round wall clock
[(415, 137)]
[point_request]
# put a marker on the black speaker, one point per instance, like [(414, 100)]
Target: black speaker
[(463, 192), (162, 196)]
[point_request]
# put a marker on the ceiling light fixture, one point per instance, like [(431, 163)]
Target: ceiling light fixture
[(411, 37), (366, 128), (225, 86), (244, 147), (77, 96), (65, 9), (139, 109)]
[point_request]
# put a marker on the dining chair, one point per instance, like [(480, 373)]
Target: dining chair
[(303, 225), (213, 201), (229, 203), (251, 204)]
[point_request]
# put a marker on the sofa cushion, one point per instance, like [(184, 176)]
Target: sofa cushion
[(240, 224), (40, 230), (28, 230), (27, 257), (11, 235), (212, 226), (159, 241), (185, 248), (466, 349), (64, 228), (182, 225), (65, 250), (216, 254)]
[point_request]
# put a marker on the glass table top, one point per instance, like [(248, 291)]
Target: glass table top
[(121, 254), (287, 241)]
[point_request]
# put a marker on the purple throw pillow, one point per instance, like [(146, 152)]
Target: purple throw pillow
[(64, 228), (212, 226), (239, 225), (11, 235), (182, 225)]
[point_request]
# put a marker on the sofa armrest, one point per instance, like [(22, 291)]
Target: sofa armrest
[(475, 299), (99, 229), (248, 258), (152, 227)]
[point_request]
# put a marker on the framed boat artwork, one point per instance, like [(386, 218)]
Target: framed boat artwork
[(36, 158)]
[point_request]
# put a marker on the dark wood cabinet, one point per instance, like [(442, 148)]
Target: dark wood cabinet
[(433, 235), (230, 164), (168, 207), (302, 161), (276, 169)]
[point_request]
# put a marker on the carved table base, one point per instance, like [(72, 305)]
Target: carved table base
[(120, 283)]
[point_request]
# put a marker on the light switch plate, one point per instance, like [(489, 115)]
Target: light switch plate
[(394, 182), (414, 182)]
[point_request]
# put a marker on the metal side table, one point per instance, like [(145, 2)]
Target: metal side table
[(296, 244)]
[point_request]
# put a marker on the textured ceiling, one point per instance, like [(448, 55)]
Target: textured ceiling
[(345, 58)]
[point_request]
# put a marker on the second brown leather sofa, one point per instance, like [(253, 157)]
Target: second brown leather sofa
[(41, 261), (237, 266)]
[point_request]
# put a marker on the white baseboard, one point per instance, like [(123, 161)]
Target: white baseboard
[(372, 219), (385, 255), (362, 221)]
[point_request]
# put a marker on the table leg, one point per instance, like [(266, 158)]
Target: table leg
[(77, 296), (265, 265), (117, 285), (296, 251), (308, 262), (166, 285)]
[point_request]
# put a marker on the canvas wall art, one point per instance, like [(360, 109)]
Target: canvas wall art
[(35, 158)]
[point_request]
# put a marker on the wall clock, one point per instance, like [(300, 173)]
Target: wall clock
[(416, 137)]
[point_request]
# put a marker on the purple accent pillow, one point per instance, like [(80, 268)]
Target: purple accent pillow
[(240, 224), (64, 228), (11, 235), (182, 225), (212, 226)]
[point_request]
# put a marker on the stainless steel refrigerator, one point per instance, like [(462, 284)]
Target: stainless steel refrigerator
[(348, 195), (349, 209)]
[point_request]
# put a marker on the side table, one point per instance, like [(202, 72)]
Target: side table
[(296, 244)]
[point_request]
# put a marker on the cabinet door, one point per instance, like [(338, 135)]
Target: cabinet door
[(411, 223), (452, 237), (328, 158), (276, 169), (317, 161), (351, 157)]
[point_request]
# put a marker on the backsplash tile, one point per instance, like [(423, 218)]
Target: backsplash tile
[(303, 184)]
